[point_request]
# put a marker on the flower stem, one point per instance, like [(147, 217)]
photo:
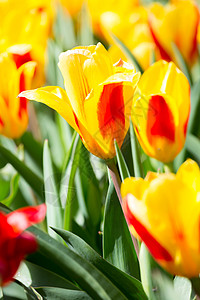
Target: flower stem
[(169, 167)]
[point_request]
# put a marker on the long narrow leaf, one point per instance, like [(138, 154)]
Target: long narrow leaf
[(146, 275), (69, 184), (130, 286), (137, 165), (52, 200), (51, 293), (31, 178), (129, 54), (88, 277), (124, 172), (118, 247), (193, 146), (182, 63)]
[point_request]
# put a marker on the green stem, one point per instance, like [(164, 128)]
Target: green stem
[(115, 177), (169, 167)]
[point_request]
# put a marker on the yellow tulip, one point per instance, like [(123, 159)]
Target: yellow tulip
[(161, 110), (27, 23), (97, 99), (133, 30), (13, 113), (99, 8), (175, 23), (164, 210)]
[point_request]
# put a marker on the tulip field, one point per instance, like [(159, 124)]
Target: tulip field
[(100, 150)]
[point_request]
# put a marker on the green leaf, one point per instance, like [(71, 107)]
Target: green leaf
[(129, 286), (182, 63), (128, 53), (51, 293), (145, 269), (30, 293), (69, 153), (89, 278), (123, 169), (13, 291), (70, 176), (118, 247), (13, 188), (193, 146), (164, 287), (64, 30), (193, 124), (33, 147), (196, 285), (33, 275), (51, 133), (54, 210), (182, 287), (31, 178), (137, 165), (85, 34), (65, 131)]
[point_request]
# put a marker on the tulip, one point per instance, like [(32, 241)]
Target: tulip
[(98, 8), (161, 111), (164, 211), (27, 23), (175, 23), (13, 113), (133, 30), (15, 244), (98, 97)]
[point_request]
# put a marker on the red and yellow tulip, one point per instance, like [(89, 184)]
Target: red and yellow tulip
[(15, 244), (164, 211), (14, 78), (161, 111), (97, 99), (176, 23), (27, 24)]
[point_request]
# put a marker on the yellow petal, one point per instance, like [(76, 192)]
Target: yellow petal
[(82, 69), (189, 173), (134, 186), (56, 98)]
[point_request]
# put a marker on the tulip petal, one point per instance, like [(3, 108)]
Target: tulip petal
[(13, 251), (168, 25), (108, 109), (160, 124), (56, 98), (8, 73), (189, 173), (21, 54), (25, 217), (82, 69), (156, 249), (26, 73), (134, 186)]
